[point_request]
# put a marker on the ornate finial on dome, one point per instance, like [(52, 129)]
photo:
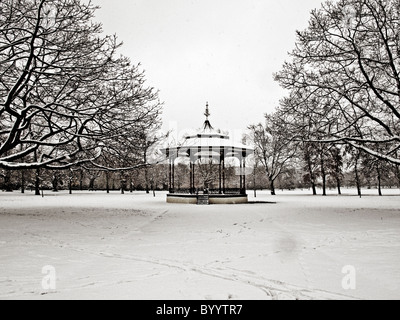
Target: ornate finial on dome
[(207, 124), (207, 113)]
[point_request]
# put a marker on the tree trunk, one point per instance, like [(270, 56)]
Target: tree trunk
[(339, 187), (323, 174), (81, 181), (254, 182), (146, 177), (272, 186), (312, 176), (108, 182), (22, 178), (357, 176), (130, 184), (378, 171), (91, 183), (70, 180), (314, 188), (22, 181), (338, 175), (37, 182), (122, 183), (338, 182), (55, 183)]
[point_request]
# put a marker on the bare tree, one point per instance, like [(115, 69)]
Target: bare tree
[(335, 166), (347, 61), (311, 165), (65, 95), (274, 148)]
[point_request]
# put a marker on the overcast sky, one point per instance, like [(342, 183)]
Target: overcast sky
[(221, 51)]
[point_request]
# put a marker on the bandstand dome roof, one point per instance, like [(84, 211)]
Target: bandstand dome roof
[(208, 143)]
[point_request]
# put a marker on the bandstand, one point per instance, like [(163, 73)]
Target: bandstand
[(215, 147)]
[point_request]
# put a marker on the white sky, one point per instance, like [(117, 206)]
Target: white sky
[(221, 51)]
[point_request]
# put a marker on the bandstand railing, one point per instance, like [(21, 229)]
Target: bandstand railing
[(228, 191)]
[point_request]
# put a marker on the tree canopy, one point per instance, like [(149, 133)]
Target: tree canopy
[(66, 96), (344, 77)]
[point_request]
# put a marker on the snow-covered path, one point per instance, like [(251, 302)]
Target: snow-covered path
[(135, 246)]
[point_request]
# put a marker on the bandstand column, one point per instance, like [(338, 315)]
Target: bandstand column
[(220, 176), (193, 176), (241, 176), (244, 175), (223, 176), (169, 175), (220, 171), (192, 187), (173, 176), (190, 177)]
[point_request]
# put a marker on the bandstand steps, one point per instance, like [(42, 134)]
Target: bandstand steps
[(203, 200)]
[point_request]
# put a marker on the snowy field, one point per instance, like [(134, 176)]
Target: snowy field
[(134, 246)]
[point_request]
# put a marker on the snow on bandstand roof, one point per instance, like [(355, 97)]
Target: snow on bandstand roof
[(209, 143)]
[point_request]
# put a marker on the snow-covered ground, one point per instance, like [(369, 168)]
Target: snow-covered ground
[(134, 246)]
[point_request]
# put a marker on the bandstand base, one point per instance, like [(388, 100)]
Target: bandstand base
[(213, 198)]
